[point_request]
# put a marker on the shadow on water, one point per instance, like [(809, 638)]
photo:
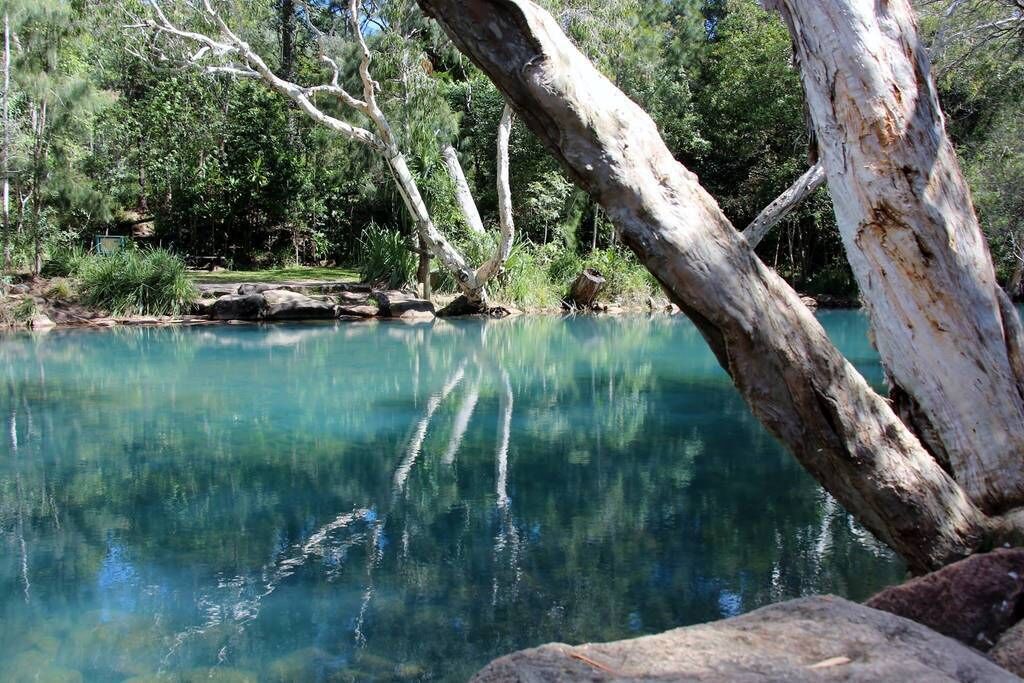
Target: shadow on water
[(343, 502)]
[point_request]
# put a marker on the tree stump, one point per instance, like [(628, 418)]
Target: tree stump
[(585, 289)]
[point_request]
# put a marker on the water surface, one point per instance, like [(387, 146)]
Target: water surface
[(384, 501)]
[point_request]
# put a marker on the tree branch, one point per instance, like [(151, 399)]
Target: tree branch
[(774, 213)]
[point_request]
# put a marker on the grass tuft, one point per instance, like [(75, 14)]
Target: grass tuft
[(135, 282)]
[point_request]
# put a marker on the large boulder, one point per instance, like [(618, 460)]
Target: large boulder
[(811, 639), (238, 307), (286, 305), (395, 304), (973, 600), (42, 322)]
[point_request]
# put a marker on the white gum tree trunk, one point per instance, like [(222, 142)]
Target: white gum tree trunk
[(463, 195), (912, 239), (777, 354)]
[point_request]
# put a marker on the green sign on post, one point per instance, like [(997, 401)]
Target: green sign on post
[(109, 244)]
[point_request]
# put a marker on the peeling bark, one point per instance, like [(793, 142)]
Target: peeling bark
[(783, 205), (911, 235), (778, 355)]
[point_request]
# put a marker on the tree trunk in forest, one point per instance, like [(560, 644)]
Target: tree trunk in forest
[(912, 238), (783, 205), (288, 40), (463, 195), (423, 270), (776, 352)]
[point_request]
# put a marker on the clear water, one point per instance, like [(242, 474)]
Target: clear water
[(388, 502)]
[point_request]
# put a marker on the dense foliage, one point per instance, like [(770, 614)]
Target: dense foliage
[(213, 166)]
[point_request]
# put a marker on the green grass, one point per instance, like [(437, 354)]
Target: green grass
[(295, 273)]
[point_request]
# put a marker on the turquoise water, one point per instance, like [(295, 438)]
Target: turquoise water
[(386, 501)]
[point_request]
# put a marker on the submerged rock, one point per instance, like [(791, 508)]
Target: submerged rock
[(973, 600), (810, 639), (308, 664), (33, 666), (218, 674)]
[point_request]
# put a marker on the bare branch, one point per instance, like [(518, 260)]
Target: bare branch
[(774, 213)]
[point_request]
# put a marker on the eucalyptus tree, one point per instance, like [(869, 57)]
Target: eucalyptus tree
[(942, 477), (215, 48)]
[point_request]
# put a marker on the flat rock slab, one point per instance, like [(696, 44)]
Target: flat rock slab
[(973, 600), (811, 639), (357, 311), (287, 305), (395, 304), (301, 286)]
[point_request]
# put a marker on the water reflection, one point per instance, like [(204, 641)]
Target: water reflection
[(344, 502)]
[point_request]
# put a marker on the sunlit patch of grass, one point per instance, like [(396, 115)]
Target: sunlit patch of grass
[(292, 274)]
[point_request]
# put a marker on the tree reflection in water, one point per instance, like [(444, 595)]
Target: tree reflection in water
[(383, 500)]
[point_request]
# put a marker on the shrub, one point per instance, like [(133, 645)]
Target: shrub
[(59, 289), (64, 262), (152, 282), (525, 280), (385, 258), (25, 310)]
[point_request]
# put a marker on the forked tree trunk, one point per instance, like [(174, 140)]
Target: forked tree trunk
[(778, 355), (912, 238)]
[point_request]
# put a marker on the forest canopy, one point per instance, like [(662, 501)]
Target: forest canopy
[(109, 135)]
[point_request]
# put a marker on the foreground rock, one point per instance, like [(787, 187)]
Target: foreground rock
[(395, 304), (974, 600), (811, 639)]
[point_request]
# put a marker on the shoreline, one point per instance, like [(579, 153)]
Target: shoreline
[(306, 301)]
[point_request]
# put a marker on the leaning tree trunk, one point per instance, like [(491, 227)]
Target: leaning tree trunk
[(778, 355), (912, 238), (783, 205)]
